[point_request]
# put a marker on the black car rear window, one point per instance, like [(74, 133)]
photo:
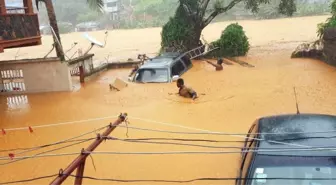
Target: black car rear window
[(177, 68)]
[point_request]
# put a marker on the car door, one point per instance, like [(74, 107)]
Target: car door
[(247, 156)]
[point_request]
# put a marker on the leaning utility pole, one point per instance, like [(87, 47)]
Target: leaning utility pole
[(79, 162)]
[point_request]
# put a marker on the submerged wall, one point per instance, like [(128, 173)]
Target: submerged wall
[(38, 75)]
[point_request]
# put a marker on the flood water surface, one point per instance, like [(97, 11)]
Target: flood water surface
[(230, 100)]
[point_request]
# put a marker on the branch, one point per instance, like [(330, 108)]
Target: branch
[(219, 11), (203, 7)]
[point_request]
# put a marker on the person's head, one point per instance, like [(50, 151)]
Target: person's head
[(219, 61), (180, 82)]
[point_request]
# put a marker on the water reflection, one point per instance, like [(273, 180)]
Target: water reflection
[(17, 102)]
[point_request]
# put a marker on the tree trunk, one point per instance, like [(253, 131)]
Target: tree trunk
[(53, 24), (192, 40)]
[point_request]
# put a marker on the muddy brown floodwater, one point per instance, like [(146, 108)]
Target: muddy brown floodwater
[(233, 99)]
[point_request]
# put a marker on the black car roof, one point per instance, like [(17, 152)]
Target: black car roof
[(281, 128)]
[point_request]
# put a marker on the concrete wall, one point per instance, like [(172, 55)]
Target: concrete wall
[(42, 75)]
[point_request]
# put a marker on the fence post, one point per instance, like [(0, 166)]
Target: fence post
[(81, 74), (82, 157)]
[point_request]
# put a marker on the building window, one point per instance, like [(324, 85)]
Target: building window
[(12, 80), (111, 4)]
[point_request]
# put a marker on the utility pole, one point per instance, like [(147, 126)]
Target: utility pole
[(79, 162)]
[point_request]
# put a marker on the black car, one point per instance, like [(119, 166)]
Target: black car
[(277, 151)]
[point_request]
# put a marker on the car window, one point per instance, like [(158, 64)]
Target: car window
[(186, 61), (177, 68), (152, 75), (305, 175)]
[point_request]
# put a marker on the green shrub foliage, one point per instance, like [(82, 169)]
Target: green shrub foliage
[(233, 42), (178, 29)]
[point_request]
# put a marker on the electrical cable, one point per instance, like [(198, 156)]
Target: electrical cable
[(227, 133), (198, 179), (212, 152), (29, 180), (20, 158), (204, 146), (56, 143), (175, 152), (28, 148), (166, 181), (159, 122), (189, 140), (62, 123), (214, 133)]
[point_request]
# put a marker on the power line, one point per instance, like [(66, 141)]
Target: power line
[(226, 133), (190, 140), (28, 148), (198, 145), (162, 123), (40, 154), (167, 181), (178, 152), (55, 143), (198, 179), (211, 152), (214, 133), (29, 180), (63, 123)]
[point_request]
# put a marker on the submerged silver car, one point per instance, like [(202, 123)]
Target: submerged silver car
[(164, 68)]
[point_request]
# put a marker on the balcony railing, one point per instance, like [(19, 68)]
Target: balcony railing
[(18, 29)]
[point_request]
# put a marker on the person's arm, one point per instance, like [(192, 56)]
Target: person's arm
[(211, 63), (192, 93)]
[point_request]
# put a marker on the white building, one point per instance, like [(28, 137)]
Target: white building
[(112, 7)]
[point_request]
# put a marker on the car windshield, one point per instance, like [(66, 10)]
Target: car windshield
[(305, 175), (152, 76)]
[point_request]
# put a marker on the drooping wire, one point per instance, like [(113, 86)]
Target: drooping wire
[(29, 180), (216, 133), (197, 145), (166, 181), (179, 152), (198, 179), (189, 140), (40, 154), (55, 143), (29, 148)]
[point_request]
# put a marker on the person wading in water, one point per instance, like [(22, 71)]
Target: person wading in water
[(218, 66), (184, 91)]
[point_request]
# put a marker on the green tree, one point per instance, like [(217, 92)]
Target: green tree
[(195, 15), (330, 22)]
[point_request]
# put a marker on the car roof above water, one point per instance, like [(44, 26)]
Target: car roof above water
[(298, 131), (162, 61)]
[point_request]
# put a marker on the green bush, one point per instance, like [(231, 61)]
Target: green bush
[(233, 42), (330, 22)]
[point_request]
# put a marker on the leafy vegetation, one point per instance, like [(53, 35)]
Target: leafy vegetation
[(233, 42), (154, 13), (330, 22), (197, 14)]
